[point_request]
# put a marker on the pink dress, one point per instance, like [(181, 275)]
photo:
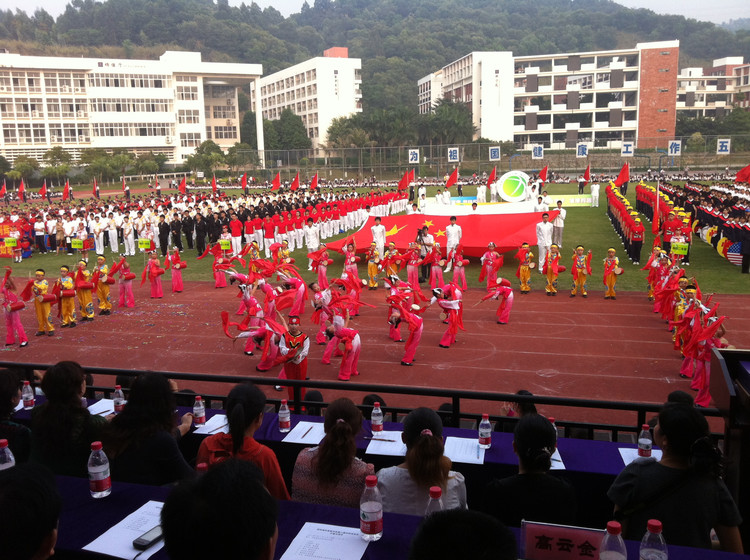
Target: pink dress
[(13, 325), (352, 347)]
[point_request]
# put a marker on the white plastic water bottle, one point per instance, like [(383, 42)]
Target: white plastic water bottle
[(376, 419), (199, 411), (371, 510), (653, 546), (645, 442), (613, 547), (100, 481), (119, 398), (285, 417), (436, 500), (485, 432), (27, 395), (6, 456)]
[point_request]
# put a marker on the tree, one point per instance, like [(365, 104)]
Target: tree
[(58, 163), (207, 157), (25, 165), (292, 132), (248, 133), (4, 166), (241, 156)]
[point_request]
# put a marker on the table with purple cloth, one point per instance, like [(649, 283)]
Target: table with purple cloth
[(83, 519)]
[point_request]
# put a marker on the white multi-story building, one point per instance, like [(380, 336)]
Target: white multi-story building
[(317, 90), (166, 106), (558, 100), (710, 92)]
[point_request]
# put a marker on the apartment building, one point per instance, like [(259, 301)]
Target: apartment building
[(598, 98), (317, 90), (711, 92), (166, 106)]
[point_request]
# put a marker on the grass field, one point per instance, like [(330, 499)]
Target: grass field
[(587, 226)]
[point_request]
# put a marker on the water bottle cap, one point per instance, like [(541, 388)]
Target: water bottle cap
[(201, 467), (654, 526), (283, 401), (614, 528), (646, 427), (485, 416), (371, 481), (96, 446), (435, 492), (198, 398), (3, 443), (118, 387), (551, 419), (26, 383), (377, 405)]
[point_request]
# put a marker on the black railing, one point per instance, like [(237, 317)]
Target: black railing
[(455, 397)]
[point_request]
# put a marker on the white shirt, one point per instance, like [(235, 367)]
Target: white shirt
[(559, 220), (544, 233), (594, 188), (402, 495), (453, 234), (378, 234), (540, 207), (312, 235)]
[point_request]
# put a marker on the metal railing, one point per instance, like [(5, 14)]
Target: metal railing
[(452, 417)]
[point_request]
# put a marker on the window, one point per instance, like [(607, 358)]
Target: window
[(225, 132), (224, 112), (190, 139), (187, 93), (188, 116)]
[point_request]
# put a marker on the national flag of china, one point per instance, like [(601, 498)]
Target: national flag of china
[(295, 184), (183, 185), (743, 175), (213, 184), (314, 182), (623, 177), (276, 183), (587, 174), (43, 190), (452, 179), (492, 177)]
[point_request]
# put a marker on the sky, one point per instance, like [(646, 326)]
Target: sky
[(717, 12)]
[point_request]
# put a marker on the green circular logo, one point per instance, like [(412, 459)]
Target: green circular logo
[(512, 186)]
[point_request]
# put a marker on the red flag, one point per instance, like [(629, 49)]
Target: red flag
[(213, 184), (43, 190), (404, 182), (587, 174), (743, 175), (183, 185), (22, 190), (543, 174), (156, 181), (244, 182), (123, 183), (411, 176), (492, 177), (95, 192), (314, 182), (623, 177), (276, 183), (3, 190), (452, 179), (66, 191), (295, 184)]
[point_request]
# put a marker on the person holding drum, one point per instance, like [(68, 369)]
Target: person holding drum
[(42, 303), (83, 289), (67, 297), (552, 268), (373, 262), (102, 280), (580, 270), (525, 257), (12, 305), (611, 271)]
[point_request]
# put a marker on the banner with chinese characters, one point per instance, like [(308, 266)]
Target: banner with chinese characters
[(6, 249), (542, 541)]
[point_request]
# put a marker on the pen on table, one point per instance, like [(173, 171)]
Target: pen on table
[(307, 432), (216, 430), (477, 451), (380, 439), (555, 459)]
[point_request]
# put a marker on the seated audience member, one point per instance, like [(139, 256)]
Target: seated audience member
[(18, 435), (406, 487), (331, 473), (533, 494), (456, 533), (62, 429), (226, 513), (683, 490), (673, 397), (139, 441), (245, 404), (372, 398), (29, 511), (515, 410)]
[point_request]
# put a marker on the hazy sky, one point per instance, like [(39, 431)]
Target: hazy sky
[(707, 10)]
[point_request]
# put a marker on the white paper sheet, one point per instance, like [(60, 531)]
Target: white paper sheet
[(464, 450), (629, 454), (218, 423), (309, 433), (317, 541), (118, 541), (102, 407), (19, 406), (557, 462), (378, 446)]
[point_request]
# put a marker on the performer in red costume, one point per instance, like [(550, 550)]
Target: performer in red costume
[(293, 348), (491, 263), (177, 265), (504, 292), (153, 272)]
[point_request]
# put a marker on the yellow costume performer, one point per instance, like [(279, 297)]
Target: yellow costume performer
[(42, 308), (610, 278), (67, 302), (373, 258), (580, 270), (102, 288), (84, 287)]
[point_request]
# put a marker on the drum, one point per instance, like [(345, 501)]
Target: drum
[(327, 262), (84, 286), (465, 262), (443, 316), (441, 262), (16, 306), (377, 260), (109, 280), (176, 266), (561, 268), (415, 307), (618, 270), (68, 293), (183, 264), (532, 265), (159, 271), (46, 298), (128, 276), (289, 260)]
